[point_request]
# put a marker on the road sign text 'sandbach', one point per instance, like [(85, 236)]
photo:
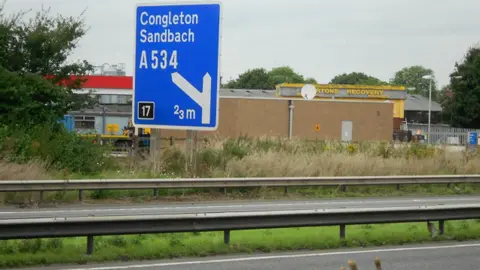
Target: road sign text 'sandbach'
[(177, 70)]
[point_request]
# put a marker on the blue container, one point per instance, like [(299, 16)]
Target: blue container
[(472, 138), (68, 122)]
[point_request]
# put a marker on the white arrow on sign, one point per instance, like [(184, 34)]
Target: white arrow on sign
[(201, 98)]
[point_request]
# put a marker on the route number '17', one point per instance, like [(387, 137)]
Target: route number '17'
[(184, 114), (159, 59), (146, 110)]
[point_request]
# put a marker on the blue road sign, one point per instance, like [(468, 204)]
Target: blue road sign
[(473, 138), (176, 77)]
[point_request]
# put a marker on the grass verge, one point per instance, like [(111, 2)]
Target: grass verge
[(22, 253), (244, 157)]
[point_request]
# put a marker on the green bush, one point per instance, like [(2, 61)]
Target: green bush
[(53, 145), (174, 161)]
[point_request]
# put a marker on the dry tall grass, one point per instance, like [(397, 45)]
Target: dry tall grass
[(281, 157), (28, 171)]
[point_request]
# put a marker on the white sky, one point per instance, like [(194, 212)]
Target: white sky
[(318, 38)]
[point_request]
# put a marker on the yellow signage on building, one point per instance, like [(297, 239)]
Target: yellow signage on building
[(112, 128), (345, 91), (373, 93)]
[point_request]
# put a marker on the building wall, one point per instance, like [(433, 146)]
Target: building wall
[(260, 117), (316, 119), (249, 117), (120, 121), (323, 120), (101, 123), (397, 123)]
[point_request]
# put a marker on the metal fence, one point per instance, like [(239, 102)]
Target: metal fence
[(442, 134)]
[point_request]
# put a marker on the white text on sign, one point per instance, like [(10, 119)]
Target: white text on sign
[(165, 21), (184, 114), (158, 59)]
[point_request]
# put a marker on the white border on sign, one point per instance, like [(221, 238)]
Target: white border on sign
[(138, 106), (220, 36)]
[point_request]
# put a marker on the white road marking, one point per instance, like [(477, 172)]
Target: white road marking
[(243, 259), (96, 210)]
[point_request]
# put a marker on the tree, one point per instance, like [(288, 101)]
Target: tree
[(33, 61), (356, 78), (260, 78), (311, 80), (285, 74), (257, 78), (29, 99), (411, 77), (444, 99), (463, 105)]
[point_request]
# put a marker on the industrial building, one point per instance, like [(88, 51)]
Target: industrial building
[(346, 112)]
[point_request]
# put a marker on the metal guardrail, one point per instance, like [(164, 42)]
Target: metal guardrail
[(156, 184), (199, 222), (97, 184)]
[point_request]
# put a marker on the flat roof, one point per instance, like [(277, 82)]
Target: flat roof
[(420, 103)]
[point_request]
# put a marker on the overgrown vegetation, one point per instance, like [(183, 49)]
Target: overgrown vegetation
[(244, 157), (54, 146), (18, 253), (36, 90)]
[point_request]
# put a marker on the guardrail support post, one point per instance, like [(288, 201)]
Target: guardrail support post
[(398, 186), (286, 190), (342, 231), (41, 196), (441, 227), (155, 192), (343, 188), (90, 244), (226, 237), (80, 195)]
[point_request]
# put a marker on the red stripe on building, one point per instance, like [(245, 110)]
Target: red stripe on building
[(107, 82), (102, 82)]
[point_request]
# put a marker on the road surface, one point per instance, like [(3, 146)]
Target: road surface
[(444, 256), (220, 207)]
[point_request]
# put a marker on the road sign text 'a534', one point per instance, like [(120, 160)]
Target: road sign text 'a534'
[(177, 61)]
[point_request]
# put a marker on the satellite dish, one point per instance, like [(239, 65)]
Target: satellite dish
[(309, 91)]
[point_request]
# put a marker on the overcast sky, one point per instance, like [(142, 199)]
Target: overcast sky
[(318, 38)]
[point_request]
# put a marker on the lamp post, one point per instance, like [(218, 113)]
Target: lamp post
[(430, 78)]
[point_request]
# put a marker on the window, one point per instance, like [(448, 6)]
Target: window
[(122, 99), (84, 122), (114, 99)]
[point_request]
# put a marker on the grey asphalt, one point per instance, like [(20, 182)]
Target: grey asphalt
[(220, 207), (445, 256)]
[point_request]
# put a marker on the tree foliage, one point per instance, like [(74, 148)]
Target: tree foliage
[(257, 78), (411, 77), (356, 78), (36, 90), (260, 78), (285, 74), (462, 107), (28, 99), (33, 61)]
